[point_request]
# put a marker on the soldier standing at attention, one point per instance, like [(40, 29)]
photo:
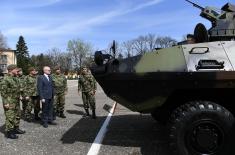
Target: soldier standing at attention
[(11, 102), (22, 84), (30, 91), (87, 84), (61, 89)]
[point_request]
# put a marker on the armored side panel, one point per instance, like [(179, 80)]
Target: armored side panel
[(143, 83), (210, 52), (229, 47), (169, 59)]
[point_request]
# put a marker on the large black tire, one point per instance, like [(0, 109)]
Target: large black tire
[(200, 128)]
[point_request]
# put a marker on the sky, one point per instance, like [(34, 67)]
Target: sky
[(46, 24)]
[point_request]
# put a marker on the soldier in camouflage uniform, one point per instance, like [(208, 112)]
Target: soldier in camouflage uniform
[(22, 82), (30, 91), (87, 84), (10, 93), (60, 86)]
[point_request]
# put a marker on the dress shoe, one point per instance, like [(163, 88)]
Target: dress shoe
[(45, 125), (52, 123)]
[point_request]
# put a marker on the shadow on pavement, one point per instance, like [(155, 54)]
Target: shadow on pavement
[(75, 112), (79, 105), (124, 130)]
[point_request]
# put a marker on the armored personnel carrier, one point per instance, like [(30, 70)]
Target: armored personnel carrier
[(191, 86)]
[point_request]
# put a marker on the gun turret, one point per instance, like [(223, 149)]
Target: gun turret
[(208, 12), (223, 23), (196, 5)]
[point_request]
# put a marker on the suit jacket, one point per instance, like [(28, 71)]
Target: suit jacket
[(45, 87)]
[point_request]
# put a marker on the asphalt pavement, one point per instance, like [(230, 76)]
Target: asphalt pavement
[(128, 133)]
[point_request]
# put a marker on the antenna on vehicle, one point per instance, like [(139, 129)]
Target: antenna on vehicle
[(113, 48)]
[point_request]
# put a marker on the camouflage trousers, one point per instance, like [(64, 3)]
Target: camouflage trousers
[(32, 103), (59, 102), (12, 114), (88, 100), (24, 105)]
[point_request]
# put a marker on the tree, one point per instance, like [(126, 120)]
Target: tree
[(140, 44), (3, 42), (55, 55), (39, 61), (151, 41), (63, 59), (79, 50), (146, 43), (22, 55), (164, 42), (128, 48)]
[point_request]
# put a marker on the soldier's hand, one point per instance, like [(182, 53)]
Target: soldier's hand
[(6, 106), (27, 97), (91, 93), (21, 98), (43, 100)]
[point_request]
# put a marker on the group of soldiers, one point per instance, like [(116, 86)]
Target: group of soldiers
[(16, 87)]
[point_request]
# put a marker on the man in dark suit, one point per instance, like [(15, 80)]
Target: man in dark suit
[(46, 93)]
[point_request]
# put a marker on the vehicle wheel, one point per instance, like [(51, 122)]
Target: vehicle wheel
[(200, 128)]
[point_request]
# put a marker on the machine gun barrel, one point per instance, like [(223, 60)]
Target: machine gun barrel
[(196, 5)]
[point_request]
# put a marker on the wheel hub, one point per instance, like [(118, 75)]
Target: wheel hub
[(206, 137)]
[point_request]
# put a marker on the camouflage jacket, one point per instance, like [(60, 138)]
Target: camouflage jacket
[(21, 80), (30, 86), (86, 83), (10, 89), (59, 83)]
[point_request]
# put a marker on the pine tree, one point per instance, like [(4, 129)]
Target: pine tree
[(22, 55)]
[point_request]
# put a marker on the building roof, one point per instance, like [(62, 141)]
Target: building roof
[(6, 50)]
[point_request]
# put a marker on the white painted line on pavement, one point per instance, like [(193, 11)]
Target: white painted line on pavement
[(95, 147)]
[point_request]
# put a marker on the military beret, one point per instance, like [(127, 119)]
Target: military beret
[(11, 67), (31, 69)]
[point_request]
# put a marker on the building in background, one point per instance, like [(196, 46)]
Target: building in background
[(7, 57)]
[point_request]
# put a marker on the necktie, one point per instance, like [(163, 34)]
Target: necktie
[(47, 77)]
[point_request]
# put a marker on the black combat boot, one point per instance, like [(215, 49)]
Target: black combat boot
[(57, 113), (18, 131), (11, 134), (62, 115), (87, 113), (36, 117), (28, 120), (93, 114)]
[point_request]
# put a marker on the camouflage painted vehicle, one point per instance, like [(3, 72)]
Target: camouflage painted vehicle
[(190, 85)]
